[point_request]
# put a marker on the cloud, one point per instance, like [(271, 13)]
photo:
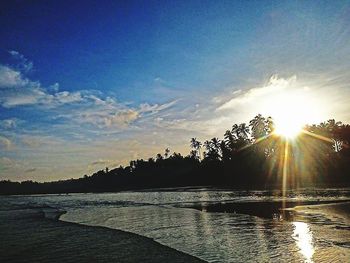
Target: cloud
[(22, 62), (12, 166), (104, 118), (69, 108), (61, 98), (28, 96), (35, 141), (5, 143), (20, 91), (100, 162), (108, 113), (122, 118), (10, 123), (155, 108), (6, 161), (31, 141), (10, 78), (241, 98), (54, 87), (30, 170)]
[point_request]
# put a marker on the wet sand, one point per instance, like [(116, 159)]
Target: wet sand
[(331, 223), (263, 209), (28, 236), (337, 210)]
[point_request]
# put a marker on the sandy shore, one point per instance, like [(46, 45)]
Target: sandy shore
[(331, 210), (28, 236), (264, 209)]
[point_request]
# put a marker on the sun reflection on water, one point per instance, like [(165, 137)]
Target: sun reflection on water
[(303, 238)]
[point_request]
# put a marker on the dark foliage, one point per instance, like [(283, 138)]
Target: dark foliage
[(247, 157)]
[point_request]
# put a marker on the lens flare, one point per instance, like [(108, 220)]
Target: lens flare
[(288, 128), (291, 110)]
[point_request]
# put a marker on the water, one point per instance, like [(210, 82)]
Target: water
[(316, 234)]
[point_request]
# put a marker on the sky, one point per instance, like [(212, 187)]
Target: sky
[(86, 85)]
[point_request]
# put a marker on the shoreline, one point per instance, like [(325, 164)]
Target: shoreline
[(33, 233), (179, 188), (36, 235), (263, 209)]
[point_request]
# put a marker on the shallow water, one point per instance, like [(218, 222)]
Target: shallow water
[(316, 233)]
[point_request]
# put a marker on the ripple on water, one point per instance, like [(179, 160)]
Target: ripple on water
[(216, 236)]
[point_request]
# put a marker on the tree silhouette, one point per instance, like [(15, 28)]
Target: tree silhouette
[(197, 145), (159, 157), (258, 126), (249, 156), (213, 149), (230, 140), (166, 154)]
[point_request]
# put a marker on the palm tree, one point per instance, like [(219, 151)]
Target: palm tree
[(193, 154), (166, 154), (215, 143), (193, 143), (207, 145), (258, 126), (133, 165), (197, 145), (270, 125), (225, 151), (234, 131), (243, 131), (213, 148), (229, 140), (159, 157)]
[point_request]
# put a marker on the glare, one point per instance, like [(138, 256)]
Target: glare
[(303, 238), (291, 111), (288, 128)]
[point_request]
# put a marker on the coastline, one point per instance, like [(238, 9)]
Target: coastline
[(36, 235), (263, 209)]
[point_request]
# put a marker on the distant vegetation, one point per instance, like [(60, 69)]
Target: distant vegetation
[(248, 156)]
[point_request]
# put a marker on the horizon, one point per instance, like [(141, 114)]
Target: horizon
[(84, 87)]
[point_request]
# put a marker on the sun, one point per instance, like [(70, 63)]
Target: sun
[(289, 128), (291, 111)]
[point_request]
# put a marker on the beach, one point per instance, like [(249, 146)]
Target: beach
[(28, 236), (180, 225)]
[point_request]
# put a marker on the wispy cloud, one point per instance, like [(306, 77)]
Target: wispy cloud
[(5, 144), (9, 124), (108, 113), (6, 161), (22, 62), (100, 161), (30, 170), (77, 132), (19, 90), (70, 128), (122, 118), (31, 141), (242, 98), (82, 106), (155, 108)]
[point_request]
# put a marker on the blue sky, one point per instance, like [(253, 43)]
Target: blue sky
[(90, 84)]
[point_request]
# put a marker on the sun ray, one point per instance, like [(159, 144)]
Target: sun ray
[(317, 136), (285, 168), (257, 141)]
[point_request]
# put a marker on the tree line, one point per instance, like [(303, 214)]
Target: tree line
[(249, 156)]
